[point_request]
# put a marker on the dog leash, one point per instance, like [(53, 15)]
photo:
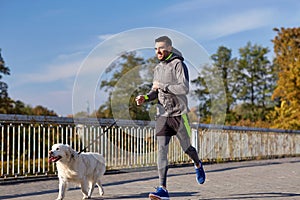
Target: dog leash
[(109, 127)]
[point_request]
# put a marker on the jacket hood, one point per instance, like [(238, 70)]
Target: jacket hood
[(175, 54)]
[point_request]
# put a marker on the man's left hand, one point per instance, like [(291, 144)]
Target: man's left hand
[(155, 85)]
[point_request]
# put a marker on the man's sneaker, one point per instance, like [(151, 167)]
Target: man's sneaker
[(160, 194), (200, 174)]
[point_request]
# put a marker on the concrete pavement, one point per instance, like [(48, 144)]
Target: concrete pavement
[(263, 179)]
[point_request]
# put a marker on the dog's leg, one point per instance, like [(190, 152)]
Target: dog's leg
[(92, 186), (101, 191), (62, 189), (84, 189)]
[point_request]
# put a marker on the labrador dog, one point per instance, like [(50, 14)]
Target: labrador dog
[(85, 169)]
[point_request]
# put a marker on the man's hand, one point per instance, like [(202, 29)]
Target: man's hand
[(140, 100), (155, 85)]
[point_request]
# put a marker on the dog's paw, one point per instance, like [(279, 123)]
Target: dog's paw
[(101, 193)]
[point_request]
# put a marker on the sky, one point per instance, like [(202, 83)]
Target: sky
[(48, 44)]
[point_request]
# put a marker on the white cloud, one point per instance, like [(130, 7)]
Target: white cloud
[(51, 73), (105, 36), (64, 66), (193, 6), (236, 23), (70, 56), (213, 19)]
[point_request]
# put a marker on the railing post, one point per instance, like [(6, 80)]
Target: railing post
[(195, 138)]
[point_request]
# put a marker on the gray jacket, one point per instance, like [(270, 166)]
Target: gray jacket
[(172, 74)]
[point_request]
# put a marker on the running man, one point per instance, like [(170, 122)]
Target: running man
[(170, 87)]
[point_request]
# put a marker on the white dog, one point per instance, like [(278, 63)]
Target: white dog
[(86, 169)]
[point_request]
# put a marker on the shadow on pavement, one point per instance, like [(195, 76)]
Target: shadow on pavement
[(260, 195), (145, 195)]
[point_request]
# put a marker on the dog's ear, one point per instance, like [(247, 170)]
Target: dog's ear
[(73, 153), (70, 153), (67, 150)]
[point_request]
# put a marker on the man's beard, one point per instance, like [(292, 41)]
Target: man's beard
[(166, 54)]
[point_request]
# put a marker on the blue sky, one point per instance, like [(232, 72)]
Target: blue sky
[(45, 42)]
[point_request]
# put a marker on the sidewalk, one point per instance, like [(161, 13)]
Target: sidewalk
[(264, 179)]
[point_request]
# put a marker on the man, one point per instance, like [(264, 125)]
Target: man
[(170, 87)]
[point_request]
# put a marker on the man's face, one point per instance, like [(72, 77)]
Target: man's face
[(162, 50)]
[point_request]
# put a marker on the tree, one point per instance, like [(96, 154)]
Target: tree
[(3, 71), (287, 50), (223, 64), (10, 106), (248, 83), (4, 99), (41, 110), (18, 107), (255, 81), (227, 66), (202, 94), (130, 78)]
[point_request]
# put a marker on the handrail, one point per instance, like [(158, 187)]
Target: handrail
[(26, 139)]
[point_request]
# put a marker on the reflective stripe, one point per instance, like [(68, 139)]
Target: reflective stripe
[(186, 124), (169, 56)]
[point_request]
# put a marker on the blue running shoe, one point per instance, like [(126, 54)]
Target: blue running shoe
[(160, 194), (200, 174)]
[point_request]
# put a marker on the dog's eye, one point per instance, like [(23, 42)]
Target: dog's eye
[(57, 148)]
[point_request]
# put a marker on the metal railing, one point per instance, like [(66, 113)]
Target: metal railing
[(26, 140)]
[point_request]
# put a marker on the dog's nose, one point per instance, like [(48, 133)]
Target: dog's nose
[(50, 152)]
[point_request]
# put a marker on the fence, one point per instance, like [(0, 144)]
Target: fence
[(26, 140)]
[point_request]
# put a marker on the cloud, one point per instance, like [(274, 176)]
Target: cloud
[(63, 67), (214, 19), (70, 56), (236, 23), (51, 73), (193, 6), (105, 36)]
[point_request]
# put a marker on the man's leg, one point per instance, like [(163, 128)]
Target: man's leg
[(183, 135), (186, 146), (162, 159), (162, 165)]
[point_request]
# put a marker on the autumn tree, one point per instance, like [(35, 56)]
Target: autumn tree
[(20, 108), (41, 110), (286, 114)]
